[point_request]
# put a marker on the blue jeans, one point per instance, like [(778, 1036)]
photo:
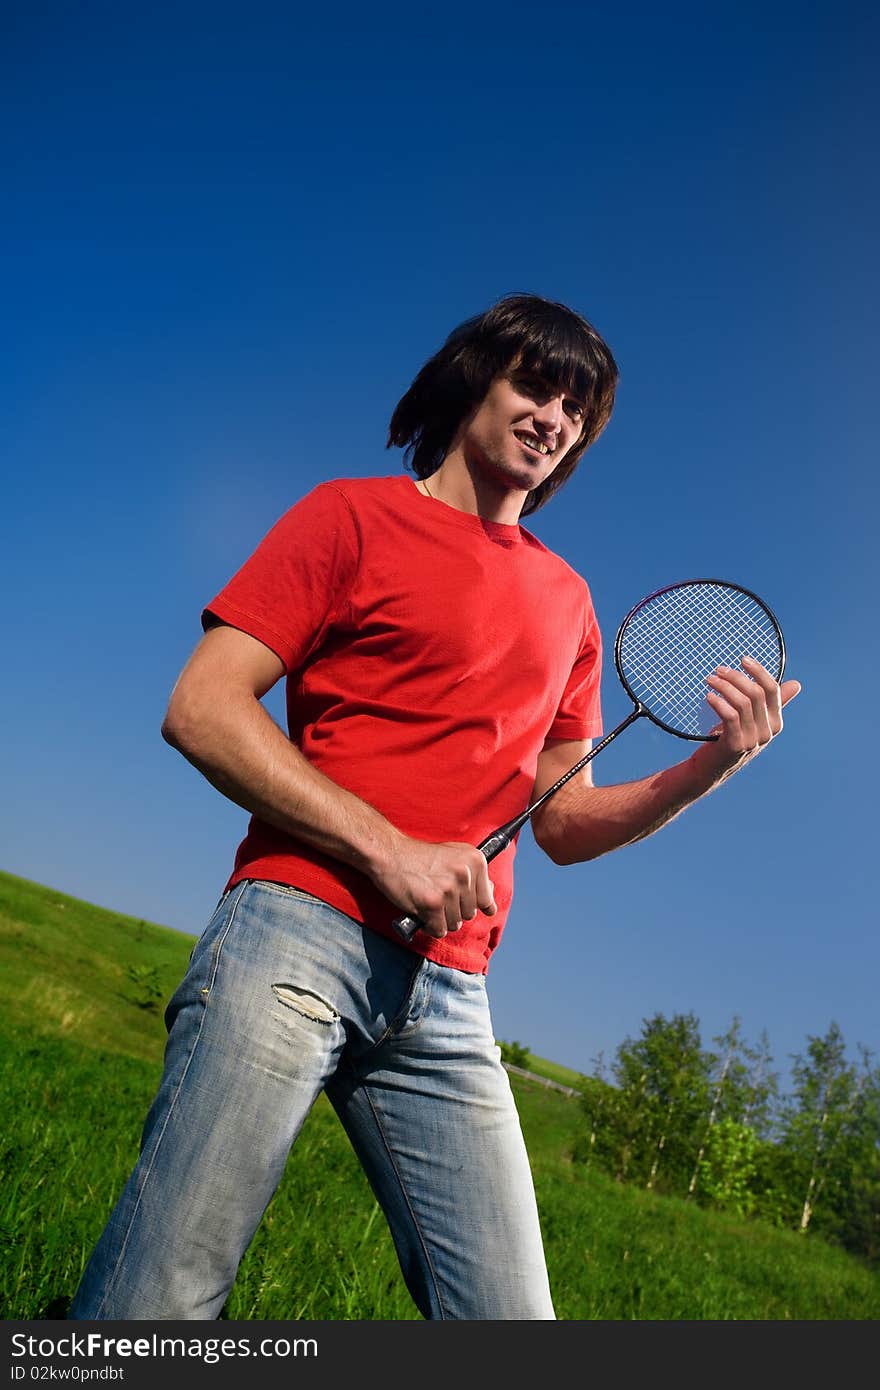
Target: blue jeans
[(285, 997)]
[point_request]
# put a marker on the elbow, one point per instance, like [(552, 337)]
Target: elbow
[(564, 854), (558, 855), (182, 722), (565, 845), (555, 845), (171, 731)]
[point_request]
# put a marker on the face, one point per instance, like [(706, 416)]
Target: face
[(522, 430)]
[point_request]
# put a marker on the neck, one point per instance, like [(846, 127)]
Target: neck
[(467, 490)]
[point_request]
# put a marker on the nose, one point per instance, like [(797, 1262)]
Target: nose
[(549, 414)]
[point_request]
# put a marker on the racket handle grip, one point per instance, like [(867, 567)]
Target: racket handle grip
[(406, 927), (496, 843)]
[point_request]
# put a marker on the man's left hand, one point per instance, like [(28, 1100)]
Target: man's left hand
[(749, 705)]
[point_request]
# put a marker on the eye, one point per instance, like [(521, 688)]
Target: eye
[(530, 386), (574, 409)]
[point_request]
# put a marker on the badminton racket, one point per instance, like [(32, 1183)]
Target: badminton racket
[(665, 648)]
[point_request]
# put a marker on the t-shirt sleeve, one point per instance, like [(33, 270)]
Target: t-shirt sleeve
[(297, 581), (580, 713)]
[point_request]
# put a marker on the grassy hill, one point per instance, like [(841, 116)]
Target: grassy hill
[(81, 1040)]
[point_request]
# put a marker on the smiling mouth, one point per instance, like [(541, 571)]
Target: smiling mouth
[(533, 443)]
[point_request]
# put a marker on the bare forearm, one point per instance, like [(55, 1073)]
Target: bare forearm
[(242, 752), (217, 722), (583, 821)]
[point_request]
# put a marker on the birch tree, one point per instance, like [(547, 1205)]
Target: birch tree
[(743, 1091), (831, 1127), (663, 1078)]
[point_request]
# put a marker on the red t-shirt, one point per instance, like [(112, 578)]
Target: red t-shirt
[(429, 654)]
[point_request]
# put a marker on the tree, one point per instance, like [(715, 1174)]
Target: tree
[(663, 1083), (600, 1103), (730, 1042), (743, 1091), (760, 1091), (831, 1127), (515, 1054), (728, 1166)]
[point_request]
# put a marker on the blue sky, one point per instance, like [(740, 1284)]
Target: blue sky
[(231, 237)]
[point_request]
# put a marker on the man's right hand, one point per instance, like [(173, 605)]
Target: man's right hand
[(442, 885)]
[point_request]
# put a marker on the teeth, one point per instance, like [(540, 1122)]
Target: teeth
[(535, 443)]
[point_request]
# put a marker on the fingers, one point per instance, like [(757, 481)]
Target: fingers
[(749, 703), (485, 890), (470, 891), (459, 903), (745, 724), (455, 887)]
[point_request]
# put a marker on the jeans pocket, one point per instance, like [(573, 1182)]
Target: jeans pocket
[(287, 890), (204, 957)]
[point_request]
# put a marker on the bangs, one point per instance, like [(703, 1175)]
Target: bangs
[(554, 344), (564, 366)]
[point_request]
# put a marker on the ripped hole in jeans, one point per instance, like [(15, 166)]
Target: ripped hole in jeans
[(305, 1002)]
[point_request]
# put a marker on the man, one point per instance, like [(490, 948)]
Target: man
[(442, 670)]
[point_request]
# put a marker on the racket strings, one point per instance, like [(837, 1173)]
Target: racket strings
[(678, 637)]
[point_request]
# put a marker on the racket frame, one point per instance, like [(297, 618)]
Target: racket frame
[(667, 588)]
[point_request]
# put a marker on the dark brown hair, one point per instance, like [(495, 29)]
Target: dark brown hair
[(522, 331)]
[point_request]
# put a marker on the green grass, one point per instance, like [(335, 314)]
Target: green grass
[(554, 1072), (80, 1055), (64, 966)]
